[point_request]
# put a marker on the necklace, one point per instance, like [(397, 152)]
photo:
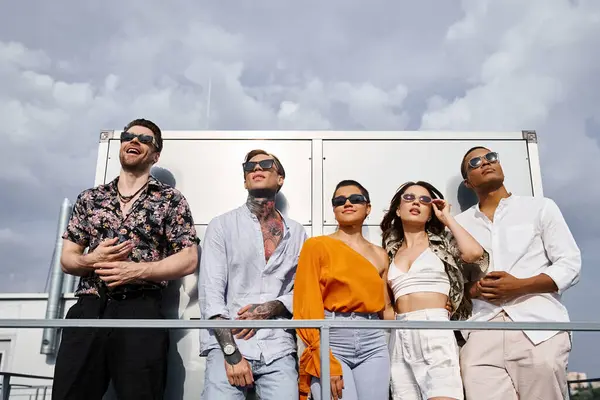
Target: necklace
[(127, 199)]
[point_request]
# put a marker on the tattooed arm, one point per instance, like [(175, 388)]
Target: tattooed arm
[(225, 338), (268, 310), (237, 368)]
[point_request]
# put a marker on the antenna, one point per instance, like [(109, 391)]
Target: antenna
[(208, 102)]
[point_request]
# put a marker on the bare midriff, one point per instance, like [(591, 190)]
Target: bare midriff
[(420, 301)]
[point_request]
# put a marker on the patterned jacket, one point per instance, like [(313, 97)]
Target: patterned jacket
[(459, 272)]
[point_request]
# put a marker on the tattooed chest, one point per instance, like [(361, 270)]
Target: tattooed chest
[(272, 231)]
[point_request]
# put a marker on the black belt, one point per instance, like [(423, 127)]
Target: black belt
[(104, 296), (133, 293), (120, 295)]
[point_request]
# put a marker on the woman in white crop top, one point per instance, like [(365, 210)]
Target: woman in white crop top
[(430, 256)]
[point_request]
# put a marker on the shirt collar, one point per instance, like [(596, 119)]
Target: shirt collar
[(152, 182), (504, 202), (434, 237)]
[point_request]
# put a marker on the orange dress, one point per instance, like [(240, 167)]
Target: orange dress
[(331, 276)]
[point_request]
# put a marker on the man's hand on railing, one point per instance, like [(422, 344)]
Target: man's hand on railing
[(240, 374)]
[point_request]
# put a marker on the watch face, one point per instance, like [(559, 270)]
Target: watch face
[(229, 349)]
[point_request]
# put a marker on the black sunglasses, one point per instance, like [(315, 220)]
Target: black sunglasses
[(477, 162), (408, 197), (264, 164), (145, 139), (354, 199)]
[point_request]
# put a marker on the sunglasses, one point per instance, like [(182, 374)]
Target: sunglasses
[(409, 197), (353, 198), (264, 164), (477, 162), (145, 139)]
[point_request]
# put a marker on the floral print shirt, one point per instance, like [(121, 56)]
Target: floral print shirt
[(459, 272), (159, 224)]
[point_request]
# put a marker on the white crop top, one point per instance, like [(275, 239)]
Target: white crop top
[(426, 274)]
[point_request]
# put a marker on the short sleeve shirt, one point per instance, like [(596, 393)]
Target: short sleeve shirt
[(159, 224)]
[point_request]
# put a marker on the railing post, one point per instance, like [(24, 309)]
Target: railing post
[(49, 335), (325, 370), (5, 387)]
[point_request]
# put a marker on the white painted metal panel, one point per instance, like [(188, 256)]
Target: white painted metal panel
[(536, 172), (328, 134), (382, 166), (5, 345), (101, 163), (209, 173)]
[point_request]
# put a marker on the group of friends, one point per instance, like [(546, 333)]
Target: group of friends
[(507, 258)]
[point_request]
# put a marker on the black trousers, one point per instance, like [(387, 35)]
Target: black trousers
[(135, 359)]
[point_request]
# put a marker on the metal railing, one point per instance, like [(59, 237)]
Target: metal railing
[(579, 387), (324, 326), (6, 385)]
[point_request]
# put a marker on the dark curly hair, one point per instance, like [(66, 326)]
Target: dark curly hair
[(391, 225), (352, 182)]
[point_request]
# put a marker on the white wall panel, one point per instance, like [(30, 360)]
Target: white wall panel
[(209, 173), (382, 166)]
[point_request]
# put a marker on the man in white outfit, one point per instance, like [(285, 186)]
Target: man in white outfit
[(533, 260)]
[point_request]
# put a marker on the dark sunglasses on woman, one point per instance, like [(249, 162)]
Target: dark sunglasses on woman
[(408, 197), (353, 198)]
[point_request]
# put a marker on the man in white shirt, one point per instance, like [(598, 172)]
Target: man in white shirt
[(533, 260), (247, 271)]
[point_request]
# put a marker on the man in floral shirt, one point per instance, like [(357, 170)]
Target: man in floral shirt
[(139, 234)]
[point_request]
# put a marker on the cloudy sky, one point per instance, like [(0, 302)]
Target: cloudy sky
[(71, 68)]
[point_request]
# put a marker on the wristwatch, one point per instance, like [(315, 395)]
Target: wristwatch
[(229, 349), (232, 354)]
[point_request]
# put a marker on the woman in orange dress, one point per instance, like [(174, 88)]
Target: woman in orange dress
[(340, 276)]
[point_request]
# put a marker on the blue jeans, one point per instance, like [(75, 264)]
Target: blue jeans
[(278, 380), (365, 360)]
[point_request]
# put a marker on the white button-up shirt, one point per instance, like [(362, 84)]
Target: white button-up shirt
[(233, 273), (528, 236)]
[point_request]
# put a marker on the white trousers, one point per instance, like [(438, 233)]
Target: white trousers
[(424, 363)]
